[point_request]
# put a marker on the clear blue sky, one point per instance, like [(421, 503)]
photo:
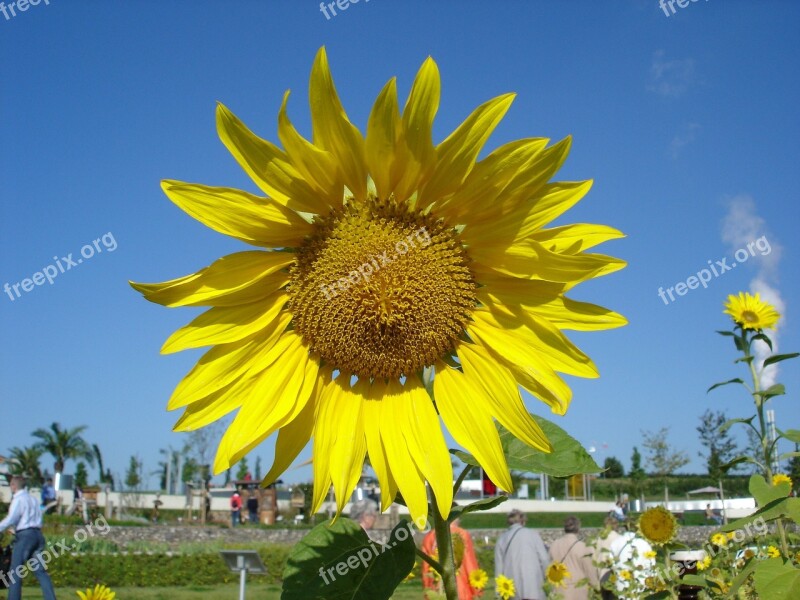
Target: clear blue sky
[(683, 121)]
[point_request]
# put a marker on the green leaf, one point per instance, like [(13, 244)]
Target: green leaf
[(567, 458), (738, 460), (730, 333), (756, 523), (690, 579), (793, 435), (745, 359), (788, 455), (779, 357), (776, 580), (353, 566), (774, 390), (716, 385), (764, 338), (484, 504), (764, 493), (731, 422)]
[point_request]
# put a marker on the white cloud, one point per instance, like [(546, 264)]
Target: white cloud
[(670, 78), (683, 138)]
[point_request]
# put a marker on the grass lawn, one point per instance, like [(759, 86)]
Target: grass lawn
[(407, 591)]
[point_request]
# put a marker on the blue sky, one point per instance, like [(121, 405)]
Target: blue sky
[(688, 124)]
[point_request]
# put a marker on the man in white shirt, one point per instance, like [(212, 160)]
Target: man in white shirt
[(25, 516)]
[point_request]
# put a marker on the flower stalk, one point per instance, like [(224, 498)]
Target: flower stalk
[(444, 543)]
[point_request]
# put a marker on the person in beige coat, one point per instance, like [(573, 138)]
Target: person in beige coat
[(577, 557)]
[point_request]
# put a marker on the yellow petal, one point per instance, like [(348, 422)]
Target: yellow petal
[(373, 407), (410, 480), (467, 413), (456, 155), (213, 406), (418, 115), (489, 177), (234, 279), (226, 363), (266, 165), (257, 221), (530, 260), (277, 395), (524, 340), (317, 166), (333, 130), (420, 424), (350, 445), (572, 239), (502, 391), (224, 324), (383, 134), (324, 438)]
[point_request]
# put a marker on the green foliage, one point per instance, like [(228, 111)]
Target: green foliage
[(25, 462), (64, 444), (715, 437), (133, 478), (613, 468), (81, 475), (338, 560), (661, 458), (567, 458), (242, 469)]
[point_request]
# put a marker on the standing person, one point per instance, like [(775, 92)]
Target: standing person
[(25, 516), (365, 512), (521, 556), (603, 557), (469, 563), (573, 553), (236, 509), (48, 496), (252, 506)]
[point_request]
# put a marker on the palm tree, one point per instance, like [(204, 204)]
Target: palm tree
[(64, 445), (25, 462)]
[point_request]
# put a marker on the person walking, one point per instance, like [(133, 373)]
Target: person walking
[(573, 553), (520, 555), (25, 516), (236, 509)]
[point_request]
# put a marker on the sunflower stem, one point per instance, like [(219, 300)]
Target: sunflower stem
[(435, 564), (444, 543)]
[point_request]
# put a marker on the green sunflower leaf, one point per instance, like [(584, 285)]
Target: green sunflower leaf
[(337, 561), (779, 357), (793, 435), (774, 390), (764, 493), (567, 458), (716, 385), (764, 338), (485, 504), (777, 580), (731, 422)]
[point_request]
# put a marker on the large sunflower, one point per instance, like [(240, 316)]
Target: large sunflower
[(390, 262)]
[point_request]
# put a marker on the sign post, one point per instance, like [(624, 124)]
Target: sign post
[(243, 562)]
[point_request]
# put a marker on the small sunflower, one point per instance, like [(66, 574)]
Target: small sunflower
[(650, 554), (557, 574), (719, 539), (504, 587), (385, 261), (478, 579), (625, 575), (773, 552), (750, 312), (658, 525), (100, 592), (703, 564), (780, 478), (655, 584)]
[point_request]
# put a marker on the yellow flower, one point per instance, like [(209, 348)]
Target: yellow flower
[(773, 552), (557, 574), (478, 579), (650, 554), (719, 539), (780, 478), (386, 261), (702, 565), (750, 312), (100, 592), (655, 584), (730, 535), (505, 587), (657, 525), (748, 554), (625, 575)]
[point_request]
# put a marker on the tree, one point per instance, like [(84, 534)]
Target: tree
[(64, 445), (242, 470), (613, 468), (637, 472), (661, 459), (81, 475), (25, 462), (719, 445), (793, 468), (257, 474), (104, 476), (133, 476)]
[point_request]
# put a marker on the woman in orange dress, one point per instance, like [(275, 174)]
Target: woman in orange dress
[(469, 563)]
